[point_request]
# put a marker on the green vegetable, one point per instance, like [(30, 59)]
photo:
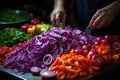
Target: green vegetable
[(9, 15), (12, 36)]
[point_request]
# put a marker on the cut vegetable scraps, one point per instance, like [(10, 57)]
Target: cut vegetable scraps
[(71, 65)]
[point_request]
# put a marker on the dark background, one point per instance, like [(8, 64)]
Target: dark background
[(40, 8)]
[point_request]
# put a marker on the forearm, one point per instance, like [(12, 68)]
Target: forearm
[(116, 6), (58, 4)]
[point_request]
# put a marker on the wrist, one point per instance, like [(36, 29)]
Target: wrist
[(116, 7), (59, 4)]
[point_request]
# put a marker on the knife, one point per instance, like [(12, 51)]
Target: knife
[(88, 30)]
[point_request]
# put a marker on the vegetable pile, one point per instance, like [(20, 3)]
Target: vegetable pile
[(13, 36), (35, 27), (88, 59), (66, 52), (42, 49), (72, 65), (5, 50)]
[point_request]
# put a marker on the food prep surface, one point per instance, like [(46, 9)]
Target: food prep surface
[(103, 74), (64, 50), (10, 74)]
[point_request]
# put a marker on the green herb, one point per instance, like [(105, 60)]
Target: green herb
[(12, 36)]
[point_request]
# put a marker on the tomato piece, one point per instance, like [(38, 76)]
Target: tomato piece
[(97, 60), (116, 46), (107, 58), (24, 27), (35, 21)]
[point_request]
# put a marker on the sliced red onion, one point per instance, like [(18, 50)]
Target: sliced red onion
[(28, 50), (53, 34), (43, 66), (37, 41), (83, 38), (51, 41), (47, 59), (35, 70), (60, 50), (65, 48), (55, 52), (48, 74), (76, 32)]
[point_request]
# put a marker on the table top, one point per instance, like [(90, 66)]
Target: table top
[(18, 75), (104, 73)]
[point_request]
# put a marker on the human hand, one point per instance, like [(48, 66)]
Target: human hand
[(103, 17), (57, 16)]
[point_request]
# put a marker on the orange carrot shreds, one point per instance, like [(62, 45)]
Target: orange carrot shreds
[(66, 68), (78, 57), (66, 56), (95, 68), (58, 61), (77, 69), (72, 75), (72, 65), (83, 74), (72, 50), (116, 56), (76, 63), (69, 71), (54, 68), (102, 48), (68, 62), (61, 75), (92, 69)]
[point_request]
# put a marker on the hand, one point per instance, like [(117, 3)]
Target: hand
[(57, 16), (103, 17)]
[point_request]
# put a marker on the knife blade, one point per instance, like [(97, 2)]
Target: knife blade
[(88, 30)]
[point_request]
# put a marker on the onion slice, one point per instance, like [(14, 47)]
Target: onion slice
[(47, 59), (47, 74), (35, 70)]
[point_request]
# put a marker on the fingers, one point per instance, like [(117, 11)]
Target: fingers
[(103, 23), (98, 20), (94, 18), (64, 20), (52, 19), (101, 19), (57, 17)]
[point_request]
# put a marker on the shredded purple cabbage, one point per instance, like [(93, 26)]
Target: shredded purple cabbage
[(53, 42)]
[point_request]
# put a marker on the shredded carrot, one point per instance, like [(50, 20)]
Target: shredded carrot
[(72, 65), (83, 74), (116, 57), (60, 75)]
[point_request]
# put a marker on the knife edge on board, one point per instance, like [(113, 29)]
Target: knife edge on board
[(88, 31)]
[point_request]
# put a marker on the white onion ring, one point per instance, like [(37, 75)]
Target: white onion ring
[(28, 51), (37, 41), (47, 56)]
